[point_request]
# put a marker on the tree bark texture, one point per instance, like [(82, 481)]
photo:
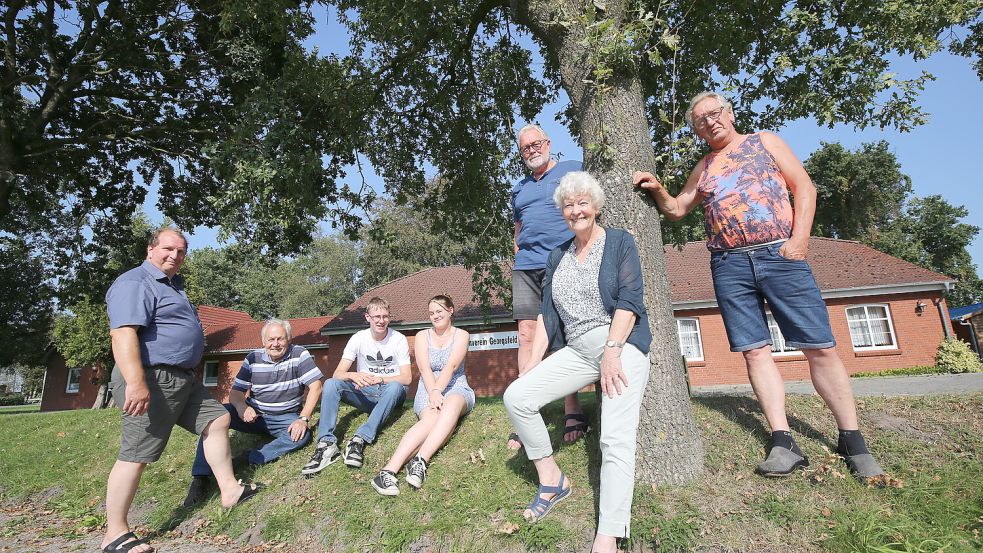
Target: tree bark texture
[(670, 448)]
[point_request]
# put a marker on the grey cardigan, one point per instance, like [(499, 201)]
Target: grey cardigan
[(620, 283)]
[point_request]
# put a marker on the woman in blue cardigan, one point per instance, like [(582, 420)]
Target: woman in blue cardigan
[(595, 320)]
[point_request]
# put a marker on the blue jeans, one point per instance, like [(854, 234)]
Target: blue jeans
[(270, 425), (378, 401), (744, 280)]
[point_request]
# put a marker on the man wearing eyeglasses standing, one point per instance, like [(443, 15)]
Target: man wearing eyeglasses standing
[(377, 386), (539, 228), (758, 246)]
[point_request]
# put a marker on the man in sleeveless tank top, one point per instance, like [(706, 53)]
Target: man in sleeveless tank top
[(758, 246)]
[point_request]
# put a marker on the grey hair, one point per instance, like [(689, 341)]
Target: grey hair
[(724, 103), (276, 322), (155, 236), (531, 127), (579, 183)]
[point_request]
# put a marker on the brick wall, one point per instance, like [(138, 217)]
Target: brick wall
[(917, 335), (489, 372), (55, 398)]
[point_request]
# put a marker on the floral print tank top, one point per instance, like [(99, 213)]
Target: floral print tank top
[(745, 197)]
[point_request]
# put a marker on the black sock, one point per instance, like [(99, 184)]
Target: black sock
[(783, 438), (851, 442)]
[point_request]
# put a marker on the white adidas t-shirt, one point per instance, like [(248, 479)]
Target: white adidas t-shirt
[(381, 358)]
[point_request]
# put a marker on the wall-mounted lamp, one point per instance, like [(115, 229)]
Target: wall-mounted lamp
[(920, 307)]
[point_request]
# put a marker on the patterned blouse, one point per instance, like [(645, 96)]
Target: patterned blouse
[(745, 197), (576, 291)]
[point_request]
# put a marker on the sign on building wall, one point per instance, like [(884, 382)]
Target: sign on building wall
[(494, 340)]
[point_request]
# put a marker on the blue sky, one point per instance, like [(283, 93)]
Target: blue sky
[(937, 156)]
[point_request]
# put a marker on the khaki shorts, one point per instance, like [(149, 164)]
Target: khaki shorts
[(176, 397)]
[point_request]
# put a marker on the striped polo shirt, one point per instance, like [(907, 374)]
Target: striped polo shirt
[(277, 387)]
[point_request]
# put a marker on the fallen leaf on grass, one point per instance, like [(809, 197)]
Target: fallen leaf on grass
[(885, 481), (826, 512), (508, 528)]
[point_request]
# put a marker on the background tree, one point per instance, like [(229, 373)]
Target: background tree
[(26, 305), (82, 337), (858, 192), (930, 233)]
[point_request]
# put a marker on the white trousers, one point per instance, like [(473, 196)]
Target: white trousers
[(563, 373)]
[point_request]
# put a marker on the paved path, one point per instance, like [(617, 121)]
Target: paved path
[(872, 386)]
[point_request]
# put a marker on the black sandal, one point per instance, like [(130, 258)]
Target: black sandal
[(580, 426), (513, 437), (118, 544), (248, 491)]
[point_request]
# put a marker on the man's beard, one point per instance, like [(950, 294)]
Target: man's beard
[(533, 165)]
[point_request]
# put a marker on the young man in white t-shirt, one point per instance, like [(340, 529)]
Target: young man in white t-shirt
[(378, 384)]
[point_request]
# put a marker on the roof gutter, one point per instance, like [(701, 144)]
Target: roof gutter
[(419, 325)]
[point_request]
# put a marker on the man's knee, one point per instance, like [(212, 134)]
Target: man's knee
[(393, 391), (752, 356), (220, 424), (332, 386), (526, 331)]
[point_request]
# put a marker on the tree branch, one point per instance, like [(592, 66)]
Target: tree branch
[(10, 48)]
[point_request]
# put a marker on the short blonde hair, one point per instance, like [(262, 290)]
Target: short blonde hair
[(724, 103), (579, 183), (377, 303)]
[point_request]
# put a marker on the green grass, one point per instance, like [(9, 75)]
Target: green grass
[(19, 409), (475, 488), (906, 371)]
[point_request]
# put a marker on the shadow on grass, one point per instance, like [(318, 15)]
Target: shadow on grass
[(745, 412)]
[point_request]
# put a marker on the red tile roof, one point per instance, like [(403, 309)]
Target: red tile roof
[(837, 265), (408, 296), (230, 330), (212, 316)]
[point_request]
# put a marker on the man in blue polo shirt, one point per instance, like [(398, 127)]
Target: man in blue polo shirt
[(539, 228), (275, 376), (157, 343)]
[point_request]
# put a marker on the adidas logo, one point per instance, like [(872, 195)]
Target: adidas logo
[(378, 361)]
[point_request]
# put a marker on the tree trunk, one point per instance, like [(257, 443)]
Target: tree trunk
[(100, 402), (670, 448)]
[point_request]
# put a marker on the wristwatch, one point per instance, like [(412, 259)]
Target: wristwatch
[(614, 344), (305, 419)]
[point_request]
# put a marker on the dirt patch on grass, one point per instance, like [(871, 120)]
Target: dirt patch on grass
[(902, 425)]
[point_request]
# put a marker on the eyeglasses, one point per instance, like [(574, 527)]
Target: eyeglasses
[(533, 146), (709, 117), (379, 317)]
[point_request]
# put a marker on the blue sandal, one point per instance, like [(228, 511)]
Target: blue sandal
[(541, 507)]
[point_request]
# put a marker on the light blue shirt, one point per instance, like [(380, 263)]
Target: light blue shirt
[(169, 332)]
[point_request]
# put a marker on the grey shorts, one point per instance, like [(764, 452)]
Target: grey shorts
[(176, 397), (527, 293)]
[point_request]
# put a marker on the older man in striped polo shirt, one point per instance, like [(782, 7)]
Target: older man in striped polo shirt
[(275, 377)]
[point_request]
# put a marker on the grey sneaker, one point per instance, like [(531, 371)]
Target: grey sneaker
[(324, 454), (781, 462), (863, 466), (416, 472), (355, 452), (386, 483)]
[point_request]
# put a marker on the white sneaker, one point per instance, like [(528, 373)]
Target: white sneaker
[(386, 483), (324, 454)]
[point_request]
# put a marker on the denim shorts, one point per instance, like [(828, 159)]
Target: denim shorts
[(744, 280)]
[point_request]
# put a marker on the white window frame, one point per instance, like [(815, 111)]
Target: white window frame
[(699, 337), (210, 383), (786, 349), (867, 318), (78, 381)]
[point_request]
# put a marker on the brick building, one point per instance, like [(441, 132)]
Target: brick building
[(229, 336), (886, 313)]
